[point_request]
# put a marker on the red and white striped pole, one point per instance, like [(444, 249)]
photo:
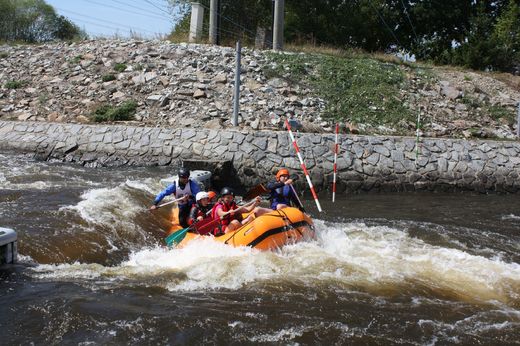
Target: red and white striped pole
[(336, 149), (303, 165)]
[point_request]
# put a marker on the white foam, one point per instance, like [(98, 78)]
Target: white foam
[(110, 207), (347, 256), (510, 217)]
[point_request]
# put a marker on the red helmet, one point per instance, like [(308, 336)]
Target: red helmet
[(283, 171)]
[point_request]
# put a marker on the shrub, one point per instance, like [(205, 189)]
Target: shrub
[(108, 77), (123, 112), (76, 59), (14, 84), (119, 67)]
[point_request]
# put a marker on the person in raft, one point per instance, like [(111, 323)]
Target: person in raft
[(212, 198), (282, 192), (201, 209), (232, 220), (186, 189)]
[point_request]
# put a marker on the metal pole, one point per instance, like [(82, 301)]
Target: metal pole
[(237, 86), (213, 18), (518, 122), (278, 25)]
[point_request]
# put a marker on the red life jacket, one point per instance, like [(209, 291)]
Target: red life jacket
[(227, 219)]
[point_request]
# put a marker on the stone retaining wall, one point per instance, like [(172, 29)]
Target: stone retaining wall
[(364, 163)]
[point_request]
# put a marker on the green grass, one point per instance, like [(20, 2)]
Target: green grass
[(496, 112), (76, 59), (360, 90), (3, 55), (123, 112), (119, 67), (108, 77), (14, 84), (471, 101)]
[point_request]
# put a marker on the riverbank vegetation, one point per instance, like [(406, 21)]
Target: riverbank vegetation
[(356, 88), (482, 35), (34, 21), (123, 112)]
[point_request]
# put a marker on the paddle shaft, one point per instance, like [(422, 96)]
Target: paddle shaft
[(168, 203), (296, 195), (231, 211)]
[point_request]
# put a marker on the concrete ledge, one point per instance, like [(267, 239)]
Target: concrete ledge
[(365, 163)]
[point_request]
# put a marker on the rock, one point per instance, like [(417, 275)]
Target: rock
[(214, 124), (154, 99), (220, 78), (24, 116), (352, 128), (195, 82), (450, 92), (82, 119), (199, 94), (255, 124)]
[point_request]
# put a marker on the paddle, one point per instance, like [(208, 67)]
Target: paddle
[(202, 227), (233, 210), (176, 237), (168, 203), (298, 198), (256, 191)]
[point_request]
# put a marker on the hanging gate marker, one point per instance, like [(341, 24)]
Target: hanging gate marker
[(303, 165), (335, 169)]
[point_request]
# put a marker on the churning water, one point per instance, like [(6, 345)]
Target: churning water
[(419, 269)]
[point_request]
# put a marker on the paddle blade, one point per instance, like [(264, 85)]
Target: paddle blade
[(176, 237), (255, 192)]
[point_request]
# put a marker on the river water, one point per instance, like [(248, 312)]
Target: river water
[(414, 269)]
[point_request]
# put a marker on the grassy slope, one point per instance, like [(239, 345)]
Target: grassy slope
[(366, 89)]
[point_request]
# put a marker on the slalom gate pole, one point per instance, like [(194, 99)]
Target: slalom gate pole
[(303, 165), (335, 169)]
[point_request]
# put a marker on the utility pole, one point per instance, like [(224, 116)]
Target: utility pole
[(278, 25), (213, 20)]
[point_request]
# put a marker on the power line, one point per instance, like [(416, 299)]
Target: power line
[(105, 21), (409, 21), (156, 6), (233, 22), (125, 10), (138, 8), (383, 20)]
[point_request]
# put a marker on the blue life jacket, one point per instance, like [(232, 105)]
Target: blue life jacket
[(281, 195)]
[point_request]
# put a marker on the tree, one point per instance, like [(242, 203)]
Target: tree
[(33, 21), (506, 35)]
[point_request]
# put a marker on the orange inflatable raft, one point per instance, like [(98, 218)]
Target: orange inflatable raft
[(266, 232)]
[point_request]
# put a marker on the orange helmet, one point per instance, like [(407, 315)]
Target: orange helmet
[(283, 171), (212, 194)]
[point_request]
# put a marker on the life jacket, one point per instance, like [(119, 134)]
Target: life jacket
[(181, 192), (198, 210), (227, 219), (281, 195)]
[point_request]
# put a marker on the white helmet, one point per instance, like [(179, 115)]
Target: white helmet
[(201, 195)]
